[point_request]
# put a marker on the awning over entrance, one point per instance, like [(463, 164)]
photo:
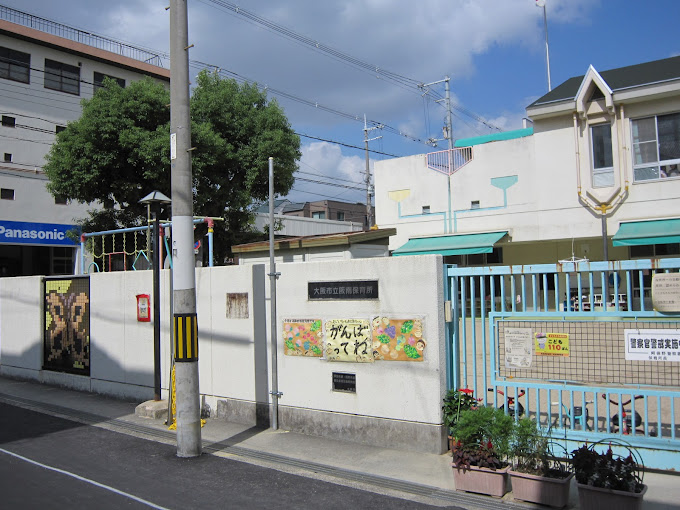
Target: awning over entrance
[(637, 233), (462, 244)]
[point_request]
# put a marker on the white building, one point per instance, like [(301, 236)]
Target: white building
[(43, 78), (600, 162)]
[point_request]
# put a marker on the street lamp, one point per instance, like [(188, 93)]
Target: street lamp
[(153, 202)]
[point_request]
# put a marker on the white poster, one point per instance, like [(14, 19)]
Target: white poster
[(518, 343), (652, 344), (666, 292)]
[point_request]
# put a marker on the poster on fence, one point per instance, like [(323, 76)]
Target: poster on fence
[(398, 339), (518, 344), (552, 344), (302, 337), (348, 340), (652, 344)]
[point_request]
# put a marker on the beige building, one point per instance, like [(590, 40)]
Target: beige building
[(601, 162)]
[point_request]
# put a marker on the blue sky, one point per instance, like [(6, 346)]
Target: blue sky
[(493, 50)]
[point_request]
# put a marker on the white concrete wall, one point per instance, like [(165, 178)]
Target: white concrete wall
[(233, 352)]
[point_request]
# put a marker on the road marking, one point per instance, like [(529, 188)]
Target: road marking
[(87, 480)]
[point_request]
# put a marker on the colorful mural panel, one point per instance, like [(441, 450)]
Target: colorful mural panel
[(398, 339), (348, 340), (67, 326), (302, 337)]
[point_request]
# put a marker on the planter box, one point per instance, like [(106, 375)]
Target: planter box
[(481, 480), (540, 489), (597, 498)]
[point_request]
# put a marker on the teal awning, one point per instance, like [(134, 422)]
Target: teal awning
[(462, 244), (637, 233)]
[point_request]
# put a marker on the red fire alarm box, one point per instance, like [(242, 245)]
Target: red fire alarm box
[(143, 308)]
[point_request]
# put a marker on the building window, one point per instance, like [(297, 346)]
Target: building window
[(8, 121), (99, 80), (8, 157), (63, 77), (476, 259), (319, 215), (59, 129), (6, 194), (426, 209), (653, 251), (474, 204), (62, 260), (59, 200), (341, 216), (656, 147), (602, 158), (15, 65)]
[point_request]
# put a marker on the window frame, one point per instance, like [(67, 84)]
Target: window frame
[(18, 64), (659, 169), (4, 194), (602, 171), (98, 80), (55, 78)]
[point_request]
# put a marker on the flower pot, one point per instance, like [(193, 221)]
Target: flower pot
[(541, 489), (481, 480), (598, 498)]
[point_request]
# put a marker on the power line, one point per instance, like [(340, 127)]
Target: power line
[(347, 145)]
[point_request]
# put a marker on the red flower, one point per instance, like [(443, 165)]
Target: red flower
[(466, 390)]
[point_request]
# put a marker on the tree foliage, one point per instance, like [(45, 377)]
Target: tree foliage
[(118, 151)]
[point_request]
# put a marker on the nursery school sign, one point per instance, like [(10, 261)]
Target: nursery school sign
[(352, 289)]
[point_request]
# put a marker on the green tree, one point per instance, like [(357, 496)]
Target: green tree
[(118, 151)]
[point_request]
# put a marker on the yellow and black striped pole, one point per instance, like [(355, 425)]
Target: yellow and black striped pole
[(186, 337)]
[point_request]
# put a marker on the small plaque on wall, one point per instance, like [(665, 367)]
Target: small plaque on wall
[(353, 289), (344, 382)]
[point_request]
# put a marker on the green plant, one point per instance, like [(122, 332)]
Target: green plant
[(532, 451), (456, 401), (608, 470), (482, 437)]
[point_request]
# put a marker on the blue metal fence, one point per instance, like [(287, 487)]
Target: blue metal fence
[(594, 392)]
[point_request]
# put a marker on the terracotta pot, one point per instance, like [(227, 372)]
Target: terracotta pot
[(481, 480), (597, 498), (541, 489)]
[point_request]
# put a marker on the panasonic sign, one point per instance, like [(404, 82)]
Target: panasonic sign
[(47, 234)]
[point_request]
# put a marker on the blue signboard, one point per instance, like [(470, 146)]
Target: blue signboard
[(47, 234)]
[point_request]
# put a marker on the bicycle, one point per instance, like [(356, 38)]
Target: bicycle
[(510, 402), (627, 422)]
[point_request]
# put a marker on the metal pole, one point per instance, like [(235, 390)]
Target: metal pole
[(211, 225), (368, 178), (156, 262), (547, 50), (184, 278), (449, 136), (273, 275)]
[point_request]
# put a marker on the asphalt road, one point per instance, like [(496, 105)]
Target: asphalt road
[(48, 462)]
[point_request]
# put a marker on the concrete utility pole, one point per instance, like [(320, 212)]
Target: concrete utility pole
[(369, 211), (448, 135), (183, 276), (273, 275)]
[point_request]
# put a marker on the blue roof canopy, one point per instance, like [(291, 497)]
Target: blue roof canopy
[(462, 244)]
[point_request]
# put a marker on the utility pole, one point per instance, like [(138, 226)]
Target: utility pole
[(183, 276), (369, 211), (448, 135)]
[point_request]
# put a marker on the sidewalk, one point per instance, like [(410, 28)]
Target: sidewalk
[(410, 475)]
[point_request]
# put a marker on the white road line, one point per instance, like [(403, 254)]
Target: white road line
[(87, 480)]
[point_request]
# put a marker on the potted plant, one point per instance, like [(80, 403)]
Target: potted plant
[(481, 441), (456, 401), (606, 479), (537, 474)]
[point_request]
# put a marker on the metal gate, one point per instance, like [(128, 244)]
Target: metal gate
[(577, 345)]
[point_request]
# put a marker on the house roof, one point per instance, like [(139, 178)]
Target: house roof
[(647, 73), (282, 205), (341, 239)]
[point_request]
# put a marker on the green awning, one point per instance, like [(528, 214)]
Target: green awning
[(637, 233), (462, 244)]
